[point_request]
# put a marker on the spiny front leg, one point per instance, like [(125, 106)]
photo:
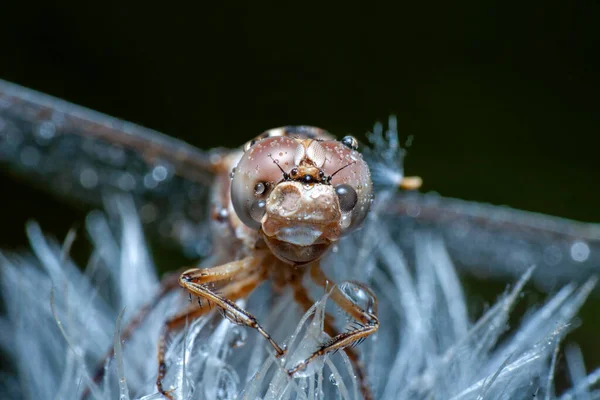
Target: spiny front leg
[(343, 300), (352, 337), (303, 299), (241, 285), (366, 323), (194, 281)]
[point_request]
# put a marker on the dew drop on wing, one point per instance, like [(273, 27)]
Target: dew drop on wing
[(45, 132), (149, 182), (88, 178), (160, 173), (496, 241), (83, 155), (580, 251)]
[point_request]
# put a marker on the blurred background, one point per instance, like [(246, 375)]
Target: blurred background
[(501, 98)]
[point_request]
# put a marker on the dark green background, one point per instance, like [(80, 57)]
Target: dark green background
[(501, 97)]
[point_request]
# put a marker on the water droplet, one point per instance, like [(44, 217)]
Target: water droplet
[(222, 215), (126, 182), (303, 384), (45, 132), (149, 182), (88, 178), (115, 155), (259, 188), (227, 383), (257, 210), (237, 337), (332, 380), (580, 251), (159, 173), (358, 294)]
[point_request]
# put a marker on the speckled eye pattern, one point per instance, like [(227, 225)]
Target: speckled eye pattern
[(352, 171), (257, 166), (269, 161)]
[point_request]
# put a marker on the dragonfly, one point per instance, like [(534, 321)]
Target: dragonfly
[(84, 155)]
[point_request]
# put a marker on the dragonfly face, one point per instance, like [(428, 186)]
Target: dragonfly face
[(302, 191)]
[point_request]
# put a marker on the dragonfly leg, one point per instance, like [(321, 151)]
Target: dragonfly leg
[(367, 320), (168, 284), (234, 290), (359, 314), (194, 281)]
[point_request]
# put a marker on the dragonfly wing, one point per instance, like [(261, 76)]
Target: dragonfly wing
[(84, 156), (500, 241)]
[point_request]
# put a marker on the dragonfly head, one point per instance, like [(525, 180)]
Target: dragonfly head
[(302, 193)]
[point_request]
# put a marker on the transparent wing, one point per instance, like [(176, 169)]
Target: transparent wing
[(497, 240), (84, 155)]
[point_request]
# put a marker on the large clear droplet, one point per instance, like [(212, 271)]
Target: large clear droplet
[(580, 251), (160, 173), (332, 379), (358, 294), (257, 209), (259, 188), (227, 385)]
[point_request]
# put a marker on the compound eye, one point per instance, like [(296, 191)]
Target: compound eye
[(347, 197), (350, 142), (349, 175), (249, 144), (257, 173)]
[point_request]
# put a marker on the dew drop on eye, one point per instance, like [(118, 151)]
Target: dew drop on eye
[(259, 188), (257, 210)]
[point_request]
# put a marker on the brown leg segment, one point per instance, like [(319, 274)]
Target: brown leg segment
[(246, 275), (234, 291), (194, 281), (367, 319), (364, 316)]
